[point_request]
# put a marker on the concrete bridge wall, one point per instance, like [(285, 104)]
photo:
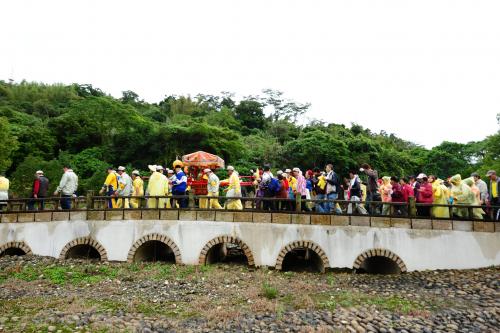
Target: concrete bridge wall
[(264, 243)]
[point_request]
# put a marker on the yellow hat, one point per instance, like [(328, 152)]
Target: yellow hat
[(177, 163)]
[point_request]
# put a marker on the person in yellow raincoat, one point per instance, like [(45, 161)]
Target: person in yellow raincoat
[(233, 190), (441, 196), (4, 191), (157, 186), (385, 192), (477, 212), (213, 189), (137, 189), (110, 187), (204, 201), (462, 195)]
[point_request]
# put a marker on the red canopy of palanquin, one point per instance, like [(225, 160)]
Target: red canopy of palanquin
[(203, 159)]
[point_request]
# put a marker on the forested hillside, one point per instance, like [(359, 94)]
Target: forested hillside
[(43, 126)]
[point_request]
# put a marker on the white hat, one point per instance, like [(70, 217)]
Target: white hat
[(288, 170), (296, 170), (207, 170), (39, 172), (159, 167), (422, 176), (170, 171), (152, 167), (279, 172), (121, 168), (136, 172), (230, 167)]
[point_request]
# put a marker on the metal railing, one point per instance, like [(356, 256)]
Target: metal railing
[(298, 205)]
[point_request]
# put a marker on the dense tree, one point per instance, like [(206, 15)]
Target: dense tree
[(8, 144)]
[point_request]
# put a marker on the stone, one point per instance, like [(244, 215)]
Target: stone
[(169, 214), (224, 216), (497, 226), (380, 222), (78, 215), (25, 217), (462, 225), (114, 215), (9, 217), (301, 219), (360, 221), (187, 215), (205, 215), (43, 217), (421, 224), (339, 220), (401, 223), (484, 226), (281, 218), (132, 215), (323, 219), (51, 328), (242, 216), (442, 225), (95, 215), (150, 214), (60, 216), (262, 217)]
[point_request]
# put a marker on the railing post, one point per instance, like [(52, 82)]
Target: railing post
[(298, 202), (191, 200), (88, 199), (471, 212), (412, 208)]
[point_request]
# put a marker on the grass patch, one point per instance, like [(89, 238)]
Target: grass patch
[(269, 291), (62, 274), (346, 299)]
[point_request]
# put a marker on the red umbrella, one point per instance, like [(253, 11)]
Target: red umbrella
[(203, 160)]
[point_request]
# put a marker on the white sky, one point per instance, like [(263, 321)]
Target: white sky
[(427, 71)]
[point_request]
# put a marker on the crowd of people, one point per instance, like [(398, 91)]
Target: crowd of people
[(319, 191)]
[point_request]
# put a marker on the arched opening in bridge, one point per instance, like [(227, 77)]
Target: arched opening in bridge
[(83, 251), (302, 259), (379, 265), (154, 251), (12, 251), (229, 253)]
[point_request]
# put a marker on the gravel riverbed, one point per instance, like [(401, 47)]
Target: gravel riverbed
[(39, 294)]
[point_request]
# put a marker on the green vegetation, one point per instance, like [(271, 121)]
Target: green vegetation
[(269, 291), (44, 126), (392, 303)]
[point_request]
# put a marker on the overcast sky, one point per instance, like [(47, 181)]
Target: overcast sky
[(427, 71)]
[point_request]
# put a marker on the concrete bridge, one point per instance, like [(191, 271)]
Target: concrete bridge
[(280, 240)]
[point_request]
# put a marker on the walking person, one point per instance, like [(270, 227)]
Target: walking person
[(124, 188), (67, 187), (372, 192), (425, 196), (397, 196), (40, 188), (385, 192), (137, 189), (213, 189), (355, 195), (493, 192), (332, 189), (233, 190), (179, 185), (110, 187), (319, 189), (4, 191)]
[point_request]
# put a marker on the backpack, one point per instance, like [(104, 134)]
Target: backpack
[(274, 186)]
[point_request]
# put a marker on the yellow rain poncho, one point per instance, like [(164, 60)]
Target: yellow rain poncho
[(441, 196), (4, 188), (234, 190), (111, 186), (137, 191), (158, 186), (477, 212), (204, 201), (462, 195)]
